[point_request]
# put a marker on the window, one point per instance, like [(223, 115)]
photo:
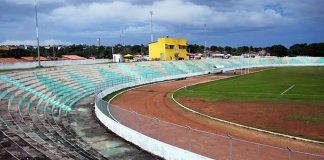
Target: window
[(182, 47), (169, 46)]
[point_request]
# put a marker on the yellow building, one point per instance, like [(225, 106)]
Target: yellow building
[(166, 49)]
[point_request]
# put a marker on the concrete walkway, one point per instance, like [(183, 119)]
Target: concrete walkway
[(84, 124)]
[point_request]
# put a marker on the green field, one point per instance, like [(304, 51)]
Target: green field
[(290, 84)]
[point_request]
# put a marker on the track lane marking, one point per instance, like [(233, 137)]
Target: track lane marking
[(287, 89)]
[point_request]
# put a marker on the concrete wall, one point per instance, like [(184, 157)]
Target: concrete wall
[(25, 65), (149, 144)]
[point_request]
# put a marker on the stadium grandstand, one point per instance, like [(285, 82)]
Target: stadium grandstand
[(36, 105)]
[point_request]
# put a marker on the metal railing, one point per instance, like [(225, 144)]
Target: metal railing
[(215, 146)]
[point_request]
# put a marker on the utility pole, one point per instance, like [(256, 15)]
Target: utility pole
[(37, 35), (151, 13), (205, 35), (54, 51), (249, 60)]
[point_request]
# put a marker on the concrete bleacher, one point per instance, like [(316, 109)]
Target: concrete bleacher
[(35, 103), (320, 60), (28, 90), (146, 71)]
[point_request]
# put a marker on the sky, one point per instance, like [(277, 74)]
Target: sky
[(233, 23)]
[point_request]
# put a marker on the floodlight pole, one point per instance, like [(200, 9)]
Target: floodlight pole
[(205, 35), (37, 35), (123, 37), (54, 51), (151, 13), (249, 59), (241, 60)]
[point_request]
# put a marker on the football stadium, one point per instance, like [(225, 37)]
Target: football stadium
[(235, 109), (161, 79)]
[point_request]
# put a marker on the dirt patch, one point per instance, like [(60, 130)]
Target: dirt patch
[(278, 117)]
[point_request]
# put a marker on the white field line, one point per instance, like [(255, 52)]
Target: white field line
[(287, 89)]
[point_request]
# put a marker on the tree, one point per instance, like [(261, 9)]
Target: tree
[(196, 48), (228, 49), (315, 49), (214, 48), (136, 48), (297, 49), (278, 50), (242, 49)]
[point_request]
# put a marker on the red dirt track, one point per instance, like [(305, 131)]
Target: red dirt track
[(262, 115), (153, 101)]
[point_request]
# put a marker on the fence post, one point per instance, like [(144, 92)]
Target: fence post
[(157, 129), (134, 120), (258, 152), (209, 145), (189, 137), (289, 153), (231, 146)]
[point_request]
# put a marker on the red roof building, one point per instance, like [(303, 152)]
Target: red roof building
[(11, 60), (8, 48), (72, 57), (31, 59)]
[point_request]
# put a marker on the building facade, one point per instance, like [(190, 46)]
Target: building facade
[(167, 49)]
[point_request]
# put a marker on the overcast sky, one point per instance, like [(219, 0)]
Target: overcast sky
[(229, 22)]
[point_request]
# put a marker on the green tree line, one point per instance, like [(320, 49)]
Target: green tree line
[(313, 49)]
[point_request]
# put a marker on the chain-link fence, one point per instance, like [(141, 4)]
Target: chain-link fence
[(208, 144)]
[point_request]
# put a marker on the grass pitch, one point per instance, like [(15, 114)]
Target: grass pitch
[(291, 84)]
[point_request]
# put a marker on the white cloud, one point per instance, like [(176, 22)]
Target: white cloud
[(166, 12), (32, 2), (55, 42), (144, 29), (34, 43), (18, 42)]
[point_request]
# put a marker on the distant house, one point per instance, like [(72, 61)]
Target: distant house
[(11, 60), (72, 57), (263, 53), (118, 58), (31, 59), (214, 53), (190, 55), (6, 48)]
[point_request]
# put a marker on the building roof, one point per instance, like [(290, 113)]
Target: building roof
[(190, 54), (214, 52), (72, 57), (11, 60), (34, 58), (8, 47)]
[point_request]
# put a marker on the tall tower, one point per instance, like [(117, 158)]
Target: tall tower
[(98, 42), (37, 35), (151, 13), (205, 36)]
